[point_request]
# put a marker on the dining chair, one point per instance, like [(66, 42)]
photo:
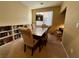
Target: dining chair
[(29, 41), (33, 26), (45, 37)]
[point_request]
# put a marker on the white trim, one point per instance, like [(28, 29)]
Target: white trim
[(16, 33), (5, 31), (65, 50)]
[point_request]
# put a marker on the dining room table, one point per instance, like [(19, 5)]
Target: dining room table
[(39, 31), (38, 34)]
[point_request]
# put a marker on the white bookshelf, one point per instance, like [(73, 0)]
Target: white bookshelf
[(10, 33)]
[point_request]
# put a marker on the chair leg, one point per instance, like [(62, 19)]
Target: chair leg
[(40, 48), (46, 43), (24, 47), (32, 52)]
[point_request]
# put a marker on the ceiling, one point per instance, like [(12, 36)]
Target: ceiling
[(40, 4)]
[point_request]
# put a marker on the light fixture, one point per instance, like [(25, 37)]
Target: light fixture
[(41, 3)]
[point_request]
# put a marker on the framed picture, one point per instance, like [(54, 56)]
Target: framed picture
[(39, 17)]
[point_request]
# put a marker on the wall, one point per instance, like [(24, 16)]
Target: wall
[(57, 18), (71, 33), (14, 13)]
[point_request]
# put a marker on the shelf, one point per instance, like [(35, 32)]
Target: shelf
[(5, 37), (9, 39), (5, 28), (16, 29), (5, 31), (6, 40), (4, 34), (17, 26), (17, 36), (17, 33)]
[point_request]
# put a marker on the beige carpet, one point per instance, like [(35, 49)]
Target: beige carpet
[(15, 49)]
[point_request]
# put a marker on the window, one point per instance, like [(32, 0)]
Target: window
[(44, 18)]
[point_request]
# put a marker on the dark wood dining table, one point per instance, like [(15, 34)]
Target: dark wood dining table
[(39, 31)]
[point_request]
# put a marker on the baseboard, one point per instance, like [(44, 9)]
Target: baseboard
[(65, 50)]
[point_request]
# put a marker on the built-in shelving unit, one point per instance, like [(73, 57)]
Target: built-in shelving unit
[(9, 33)]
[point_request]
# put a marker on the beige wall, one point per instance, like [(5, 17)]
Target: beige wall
[(14, 13), (58, 18), (39, 10), (71, 33)]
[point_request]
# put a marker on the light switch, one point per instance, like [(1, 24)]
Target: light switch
[(72, 50), (77, 25)]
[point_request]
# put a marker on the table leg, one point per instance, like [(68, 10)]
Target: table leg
[(24, 47)]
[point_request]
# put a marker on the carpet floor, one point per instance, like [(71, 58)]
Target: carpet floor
[(15, 49)]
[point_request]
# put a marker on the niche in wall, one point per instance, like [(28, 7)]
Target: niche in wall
[(39, 17)]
